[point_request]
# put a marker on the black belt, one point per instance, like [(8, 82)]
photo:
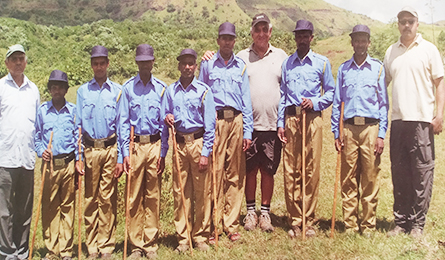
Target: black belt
[(99, 143), (362, 121), (147, 138), (63, 159), (182, 138), (295, 111), (227, 113)]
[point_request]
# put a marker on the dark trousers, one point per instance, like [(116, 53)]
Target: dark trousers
[(412, 168), (16, 199)]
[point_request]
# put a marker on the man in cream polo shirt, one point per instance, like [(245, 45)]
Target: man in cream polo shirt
[(415, 68)]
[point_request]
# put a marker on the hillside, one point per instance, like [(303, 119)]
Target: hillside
[(329, 20)]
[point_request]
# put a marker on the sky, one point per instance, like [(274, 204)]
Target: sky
[(385, 10)]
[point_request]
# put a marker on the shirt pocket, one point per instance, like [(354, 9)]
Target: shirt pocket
[(370, 90), (348, 88), (135, 110), (236, 83), (110, 111), (215, 82), (292, 81), (154, 111), (194, 109), (87, 110)]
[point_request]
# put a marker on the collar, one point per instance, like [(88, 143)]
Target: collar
[(220, 58), (193, 84), (269, 50), (366, 63), (25, 80), (416, 41), (51, 106), (308, 56), (107, 83), (138, 79)]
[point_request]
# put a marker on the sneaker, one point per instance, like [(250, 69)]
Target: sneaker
[(67, 258), (265, 223), (202, 246), (294, 232), (151, 255), (136, 254), (310, 231), (416, 233), (396, 231), (250, 221), (182, 248)]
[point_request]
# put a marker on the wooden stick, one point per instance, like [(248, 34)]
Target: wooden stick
[(303, 173), (178, 169), (338, 169), (45, 166), (127, 203), (215, 196), (79, 203)]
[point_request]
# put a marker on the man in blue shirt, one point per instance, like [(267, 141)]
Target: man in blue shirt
[(140, 107), (97, 109), (57, 116), (361, 86), (226, 75), (189, 108), (305, 76)]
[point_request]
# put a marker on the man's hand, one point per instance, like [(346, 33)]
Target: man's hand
[(379, 145), (282, 135), (208, 55), (204, 163), (118, 170), (161, 165), (437, 125), (79, 167), (339, 144), (307, 104), (126, 164), (47, 154), (246, 144), (169, 120)]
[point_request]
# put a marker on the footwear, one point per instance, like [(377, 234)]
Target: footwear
[(136, 254), (151, 255), (396, 231), (106, 256), (50, 256), (416, 233), (182, 248), (265, 223), (234, 236), (93, 256), (202, 246), (310, 231), (67, 258), (294, 232), (250, 221)]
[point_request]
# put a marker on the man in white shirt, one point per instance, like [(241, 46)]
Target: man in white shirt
[(19, 100)]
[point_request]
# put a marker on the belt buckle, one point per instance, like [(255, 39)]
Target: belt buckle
[(228, 114), (59, 162), (99, 144), (359, 120), (188, 138), (144, 139), (297, 111)]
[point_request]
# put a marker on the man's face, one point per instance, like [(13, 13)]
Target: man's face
[(16, 63), (187, 66), (360, 43), (408, 25), (145, 67), (58, 91), (303, 40), (226, 43), (100, 66), (261, 33)]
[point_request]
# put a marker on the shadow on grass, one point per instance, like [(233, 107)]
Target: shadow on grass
[(169, 241)]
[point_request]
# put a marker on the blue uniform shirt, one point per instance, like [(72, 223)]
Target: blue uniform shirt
[(193, 108), (140, 106), (63, 125), (306, 78), (363, 90), (230, 86), (97, 110)]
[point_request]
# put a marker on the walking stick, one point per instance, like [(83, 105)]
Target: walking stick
[(215, 199), (303, 173), (337, 170), (178, 169), (45, 166), (79, 188), (127, 204)]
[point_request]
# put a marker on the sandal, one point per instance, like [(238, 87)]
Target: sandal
[(234, 236)]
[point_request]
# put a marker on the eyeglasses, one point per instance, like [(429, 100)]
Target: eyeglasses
[(410, 21)]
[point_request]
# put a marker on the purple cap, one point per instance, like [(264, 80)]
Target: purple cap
[(144, 52), (260, 18), (99, 51), (185, 52), (304, 25), (408, 9), (58, 76), (360, 28), (227, 29)]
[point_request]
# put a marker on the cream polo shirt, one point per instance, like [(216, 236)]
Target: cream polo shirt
[(264, 78), (412, 71), (18, 108)]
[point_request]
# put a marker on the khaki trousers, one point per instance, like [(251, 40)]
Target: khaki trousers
[(360, 167), (292, 166), (196, 191), (145, 193), (58, 209), (230, 167), (100, 199)]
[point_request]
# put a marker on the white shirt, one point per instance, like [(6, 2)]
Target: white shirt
[(18, 108)]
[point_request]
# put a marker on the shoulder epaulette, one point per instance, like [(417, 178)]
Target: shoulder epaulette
[(163, 90), (204, 95), (244, 70), (119, 96)]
